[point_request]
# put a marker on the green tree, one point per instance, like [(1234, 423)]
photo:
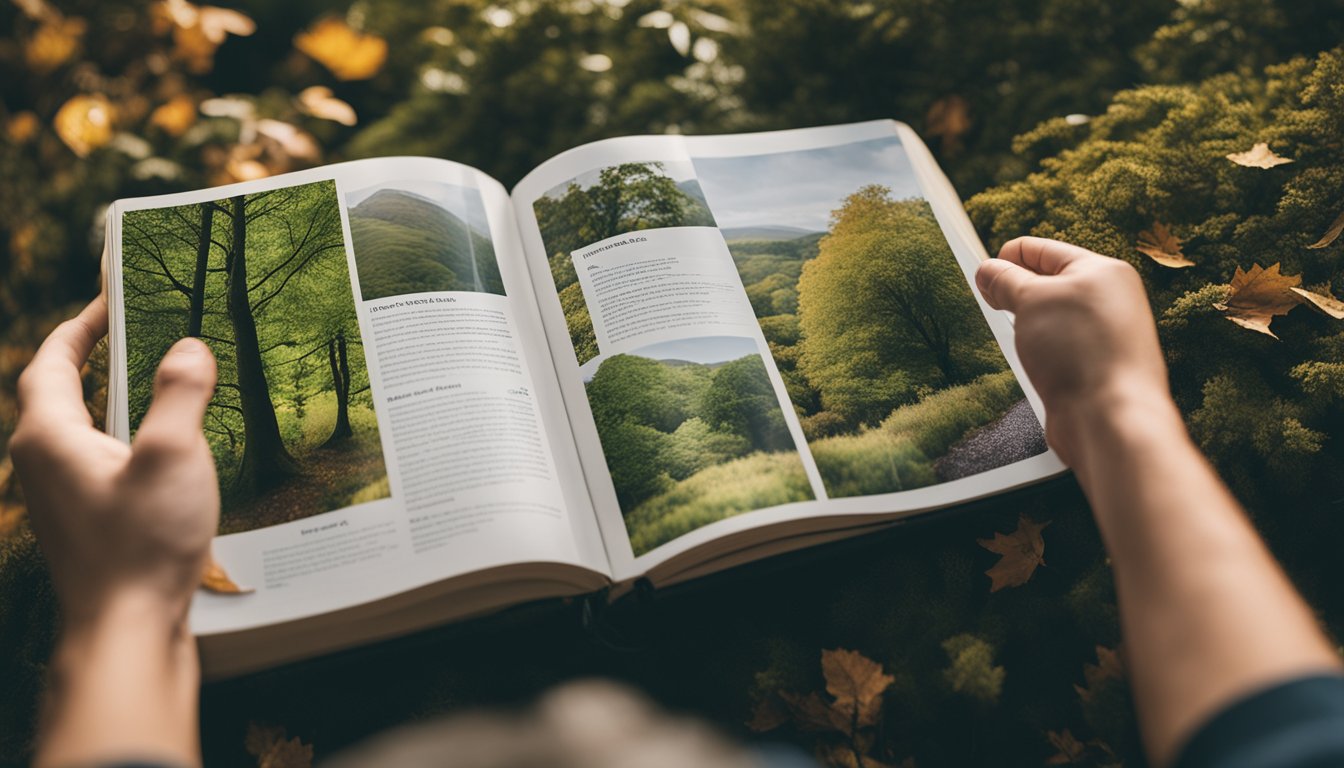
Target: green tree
[(741, 401)]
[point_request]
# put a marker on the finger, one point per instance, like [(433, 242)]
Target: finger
[(1001, 283), (183, 386), (1042, 255), (51, 386)]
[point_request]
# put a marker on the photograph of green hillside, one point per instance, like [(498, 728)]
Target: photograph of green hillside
[(418, 236), (889, 362), (693, 433), (264, 281), (604, 203)]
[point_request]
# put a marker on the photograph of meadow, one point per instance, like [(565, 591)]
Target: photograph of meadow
[(888, 361), (604, 203), (263, 280), (418, 236), (693, 433)]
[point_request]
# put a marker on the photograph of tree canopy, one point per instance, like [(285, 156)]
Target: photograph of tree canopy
[(605, 203), (417, 236), (263, 279), (889, 363), (693, 433)]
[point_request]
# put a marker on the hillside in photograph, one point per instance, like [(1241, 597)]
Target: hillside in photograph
[(407, 243)]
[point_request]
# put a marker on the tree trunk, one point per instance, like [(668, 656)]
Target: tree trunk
[(198, 277), (340, 376), (266, 463)]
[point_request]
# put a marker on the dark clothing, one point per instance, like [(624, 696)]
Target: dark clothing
[(1296, 724)]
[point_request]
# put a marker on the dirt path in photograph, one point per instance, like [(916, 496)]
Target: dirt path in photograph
[(1014, 436), (325, 472)]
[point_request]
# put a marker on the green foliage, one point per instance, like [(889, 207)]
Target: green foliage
[(695, 445), (971, 671), (741, 401)]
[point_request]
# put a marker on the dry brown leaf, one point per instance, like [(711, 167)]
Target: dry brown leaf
[(1022, 551), (813, 713), (1160, 245), (272, 750), (1323, 301), (1258, 156), (347, 52), (321, 103), (857, 683), (1256, 297), (1332, 234), (769, 714), (1069, 749), (174, 116), (1108, 667), (215, 579), (84, 123)]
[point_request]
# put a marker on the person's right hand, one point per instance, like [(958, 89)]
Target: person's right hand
[(1085, 335)]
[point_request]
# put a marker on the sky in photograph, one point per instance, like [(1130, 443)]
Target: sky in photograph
[(678, 170), (800, 189), (463, 202)]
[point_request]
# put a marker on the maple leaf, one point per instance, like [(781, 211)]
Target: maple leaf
[(1258, 156), (215, 579), (272, 750), (84, 123), (768, 715), (1160, 245), (1022, 551), (1256, 297), (1108, 667), (1070, 749), (1322, 300), (857, 683), (1332, 234), (347, 52), (813, 713)]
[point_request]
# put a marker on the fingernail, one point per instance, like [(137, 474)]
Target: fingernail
[(189, 345)]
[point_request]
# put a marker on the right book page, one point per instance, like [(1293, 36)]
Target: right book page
[(758, 330)]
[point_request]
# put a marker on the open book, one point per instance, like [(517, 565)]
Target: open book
[(658, 358)]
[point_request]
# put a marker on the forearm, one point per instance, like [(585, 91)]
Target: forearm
[(123, 687), (1207, 613)]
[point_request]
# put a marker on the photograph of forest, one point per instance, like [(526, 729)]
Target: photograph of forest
[(605, 203), (693, 433), (263, 279), (417, 236), (889, 363)]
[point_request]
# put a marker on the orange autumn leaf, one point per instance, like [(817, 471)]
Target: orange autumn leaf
[(1258, 156), (347, 52), (1323, 301), (215, 579), (1332, 233), (84, 123), (174, 116), (1160, 245), (1256, 297), (1023, 550), (857, 683)]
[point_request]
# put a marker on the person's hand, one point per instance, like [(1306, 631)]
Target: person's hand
[(1085, 335)]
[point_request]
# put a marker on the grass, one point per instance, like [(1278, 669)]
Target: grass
[(900, 453), (757, 481)]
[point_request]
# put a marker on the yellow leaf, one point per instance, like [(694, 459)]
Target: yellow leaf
[(84, 123), (215, 579), (54, 43), (348, 53), (1332, 234), (175, 116), (1160, 245), (1256, 297), (1022, 551), (857, 683), (1323, 301), (1258, 156), (319, 102)]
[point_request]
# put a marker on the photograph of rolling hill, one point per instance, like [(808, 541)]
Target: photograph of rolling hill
[(604, 203), (693, 433), (889, 363), (418, 236)]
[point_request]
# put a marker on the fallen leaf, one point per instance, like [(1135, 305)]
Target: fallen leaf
[(1323, 301), (272, 750), (174, 116), (1069, 749), (857, 683), (347, 52), (1108, 667), (215, 579), (948, 118), (1022, 551), (1160, 245), (1256, 297), (1332, 234), (768, 715), (1258, 156), (321, 103), (813, 713), (84, 123)]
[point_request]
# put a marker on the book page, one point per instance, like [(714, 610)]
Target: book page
[(762, 328), (380, 422)]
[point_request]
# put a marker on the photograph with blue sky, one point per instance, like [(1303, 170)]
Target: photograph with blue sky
[(415, 236)]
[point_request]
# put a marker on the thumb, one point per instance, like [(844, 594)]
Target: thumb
[(1001, 283), (183, 387)]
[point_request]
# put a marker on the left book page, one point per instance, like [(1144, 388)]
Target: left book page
[(387, 415)]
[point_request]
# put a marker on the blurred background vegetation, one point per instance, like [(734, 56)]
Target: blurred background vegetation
[(1084, 119)]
